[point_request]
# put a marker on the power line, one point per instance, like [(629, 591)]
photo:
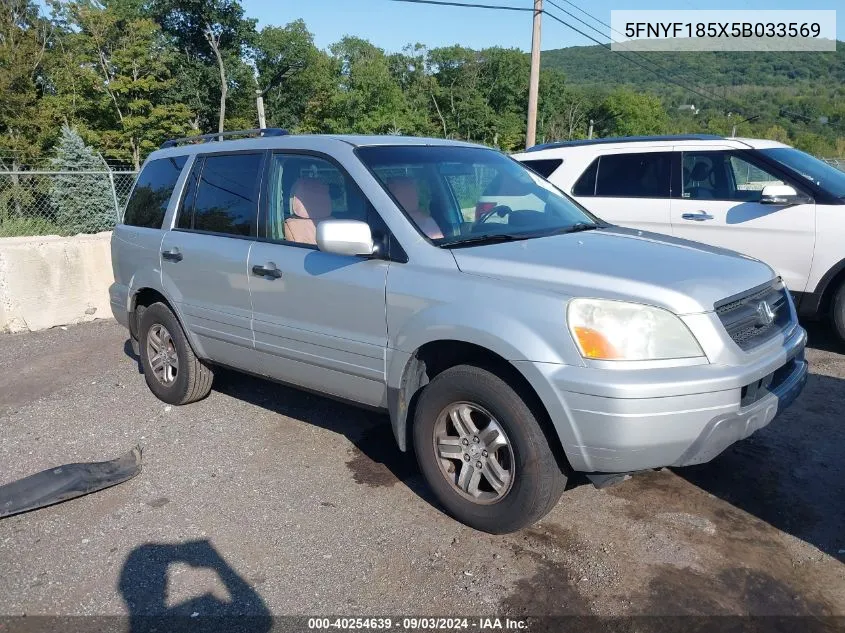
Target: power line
[(772, 53), (469, 5), (634, 61), (637, 54)]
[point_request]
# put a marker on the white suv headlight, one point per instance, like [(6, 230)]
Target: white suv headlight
[(617, 330)]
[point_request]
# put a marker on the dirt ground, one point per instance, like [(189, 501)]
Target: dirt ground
[(262, 499)]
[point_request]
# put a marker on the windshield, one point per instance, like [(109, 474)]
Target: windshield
[(467, 195), (823, 175)]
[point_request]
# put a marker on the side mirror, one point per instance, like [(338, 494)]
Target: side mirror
[(345, 237), (779, 195)]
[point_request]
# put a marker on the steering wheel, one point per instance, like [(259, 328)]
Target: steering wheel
[(501, 211)]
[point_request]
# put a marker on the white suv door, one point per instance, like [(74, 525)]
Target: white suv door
[(630, 188), (718, 203)]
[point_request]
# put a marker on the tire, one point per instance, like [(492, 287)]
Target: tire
[(191, 378), (838, 316), (535, 478)]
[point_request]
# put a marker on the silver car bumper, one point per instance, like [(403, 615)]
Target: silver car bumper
[(683, 416), (119, 299)]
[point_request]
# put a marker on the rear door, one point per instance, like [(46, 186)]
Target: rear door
[(630, 189), (136, 240), (319, 319), (204, 256), (717, 201)]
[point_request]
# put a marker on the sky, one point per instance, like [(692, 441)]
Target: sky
[(391, 25)]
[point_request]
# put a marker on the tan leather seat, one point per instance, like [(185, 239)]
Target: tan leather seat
[(405, 190), (310, 203)]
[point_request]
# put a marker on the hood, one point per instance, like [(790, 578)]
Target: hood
[(624, 264)]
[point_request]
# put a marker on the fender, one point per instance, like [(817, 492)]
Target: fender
[(812, 303), (494, 332), (152, 280)]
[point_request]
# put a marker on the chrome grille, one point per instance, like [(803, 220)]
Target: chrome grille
[(747, 319)]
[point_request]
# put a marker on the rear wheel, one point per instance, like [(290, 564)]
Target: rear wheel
[(172, 370), (483, 452), (839, 312)]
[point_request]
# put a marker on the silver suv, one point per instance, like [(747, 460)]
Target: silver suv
[(509, 349)]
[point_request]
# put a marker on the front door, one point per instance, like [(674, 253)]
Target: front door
[(319, 320), (719, 204)]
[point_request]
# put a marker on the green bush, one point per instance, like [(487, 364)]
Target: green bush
[(84, 202)]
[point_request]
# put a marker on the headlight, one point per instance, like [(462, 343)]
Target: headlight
[(616, 330)]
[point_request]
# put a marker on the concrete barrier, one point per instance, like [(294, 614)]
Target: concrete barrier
[(50, 280)]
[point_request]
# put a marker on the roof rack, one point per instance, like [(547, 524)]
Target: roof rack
[(626, 139), (219, 136)]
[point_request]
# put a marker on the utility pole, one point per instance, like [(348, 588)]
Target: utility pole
[(285, 71), (534, 80), (259, 105)]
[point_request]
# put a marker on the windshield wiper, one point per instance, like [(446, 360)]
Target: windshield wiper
[(580, 226), (575, 228), (479, 240)]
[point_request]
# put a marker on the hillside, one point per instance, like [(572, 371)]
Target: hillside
[(587, 65), (797, 98)]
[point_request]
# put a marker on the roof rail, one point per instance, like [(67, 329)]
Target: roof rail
[(206, 138), (626, 139)]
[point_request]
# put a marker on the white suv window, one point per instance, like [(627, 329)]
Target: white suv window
[(722, 175), (632, 175)]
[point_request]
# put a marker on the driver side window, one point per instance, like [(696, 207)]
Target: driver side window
[(723, 176)]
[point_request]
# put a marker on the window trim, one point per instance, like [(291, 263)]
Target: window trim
[(559, 161), (395, 252), (600, 158), (161, 226), (258, 188), (749, 157)]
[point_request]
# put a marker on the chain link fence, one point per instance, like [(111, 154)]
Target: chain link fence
[(62, 202), (839, 163)]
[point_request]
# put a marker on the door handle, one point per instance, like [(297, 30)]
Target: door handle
[(698, 217), (267, 270), (172, 255)]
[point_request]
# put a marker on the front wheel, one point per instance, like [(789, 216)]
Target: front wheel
[(483, 452)]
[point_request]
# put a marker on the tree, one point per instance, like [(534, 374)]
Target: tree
[(409, 70), (284, 48), (213, 33), (364, 99), (24, 124), (627, 113), (84, 202), (131, 72)]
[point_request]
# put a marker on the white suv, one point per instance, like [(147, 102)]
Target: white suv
[(758, 197)]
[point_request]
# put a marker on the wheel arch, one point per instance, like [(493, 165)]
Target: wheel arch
[(146, 296), (819, 301), (434, 357)]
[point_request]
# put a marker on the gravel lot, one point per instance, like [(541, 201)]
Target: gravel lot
[(262, 498)]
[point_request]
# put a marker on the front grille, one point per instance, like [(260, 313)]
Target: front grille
[(757, 316)]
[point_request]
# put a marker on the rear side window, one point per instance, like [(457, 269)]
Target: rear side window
[(149, 200), (543, 166), (227, 194), (586, 184), (645, 175)]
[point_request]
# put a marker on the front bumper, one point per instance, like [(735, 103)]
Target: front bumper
[(621, 421)]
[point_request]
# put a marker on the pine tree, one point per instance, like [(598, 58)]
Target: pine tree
[(83, 202)]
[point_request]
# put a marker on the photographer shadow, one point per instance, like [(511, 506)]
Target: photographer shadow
[(146, 585)]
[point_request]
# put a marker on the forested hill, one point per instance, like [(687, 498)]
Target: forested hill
[(596, 65)]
